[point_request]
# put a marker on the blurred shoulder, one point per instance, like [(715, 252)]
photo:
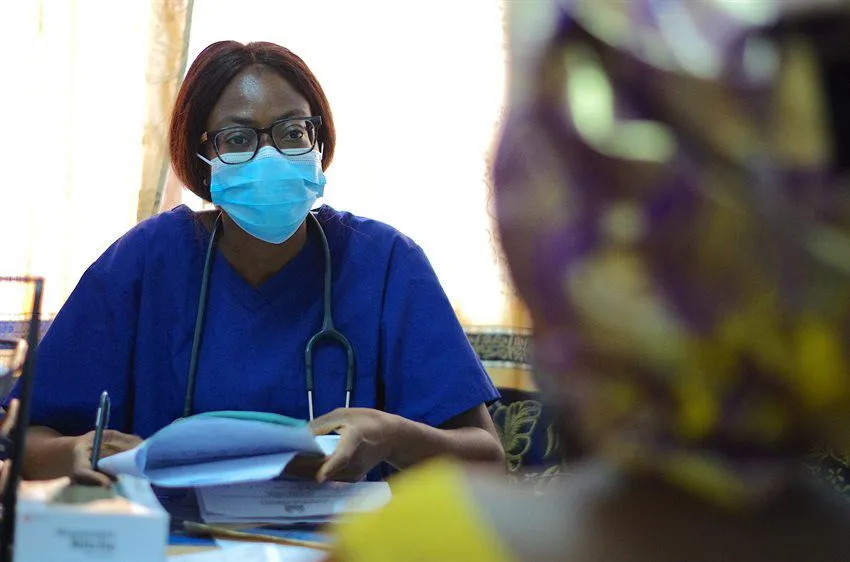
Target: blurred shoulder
[(430, 501)]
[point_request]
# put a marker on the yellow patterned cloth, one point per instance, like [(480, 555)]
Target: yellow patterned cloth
[(671, 207), (431, 518)]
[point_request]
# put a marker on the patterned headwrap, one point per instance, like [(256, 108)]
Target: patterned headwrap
[(671, 205)]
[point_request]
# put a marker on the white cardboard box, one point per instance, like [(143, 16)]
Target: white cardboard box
[(59, 522)]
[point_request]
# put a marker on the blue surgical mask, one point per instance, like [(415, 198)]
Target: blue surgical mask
[(268, 197)]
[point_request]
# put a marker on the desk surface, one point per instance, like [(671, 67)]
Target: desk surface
[(180, 549)]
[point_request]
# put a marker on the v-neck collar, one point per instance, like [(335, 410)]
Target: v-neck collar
[(288, 284)]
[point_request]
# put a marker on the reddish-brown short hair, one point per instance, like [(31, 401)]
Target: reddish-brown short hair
[(206, 79)]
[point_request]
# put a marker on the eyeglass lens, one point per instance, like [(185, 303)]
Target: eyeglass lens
[(292, 137)]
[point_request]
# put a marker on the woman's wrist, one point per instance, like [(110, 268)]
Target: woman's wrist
[(395, 437), (49, 454), (413, 442)]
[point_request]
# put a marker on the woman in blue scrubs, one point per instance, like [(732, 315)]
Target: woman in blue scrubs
[(252, 132)]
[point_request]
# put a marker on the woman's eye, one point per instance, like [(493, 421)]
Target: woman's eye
[(292, 133), (237, 139)]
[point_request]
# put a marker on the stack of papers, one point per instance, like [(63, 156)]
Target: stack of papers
[(224, 448), (289, 502), (234, 461)]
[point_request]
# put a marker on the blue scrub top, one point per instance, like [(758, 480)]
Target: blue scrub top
[(127, 328)]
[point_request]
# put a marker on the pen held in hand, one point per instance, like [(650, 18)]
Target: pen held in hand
[(101, 423)]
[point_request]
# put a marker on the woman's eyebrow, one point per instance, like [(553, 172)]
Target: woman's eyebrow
[(249, 122)]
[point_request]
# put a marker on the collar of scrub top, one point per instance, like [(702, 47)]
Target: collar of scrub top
[(327, 333)]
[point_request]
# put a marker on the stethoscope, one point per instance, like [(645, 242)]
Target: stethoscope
[(327, 332)]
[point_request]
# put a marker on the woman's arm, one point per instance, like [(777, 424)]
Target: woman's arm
[(470, 436), (48, 454), (369, 437), (87, 350)]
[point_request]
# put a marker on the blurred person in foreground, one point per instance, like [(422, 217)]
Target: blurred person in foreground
[(673, 204)]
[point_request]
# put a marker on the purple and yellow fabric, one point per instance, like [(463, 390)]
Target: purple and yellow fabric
[(670, 205), (669, 196)]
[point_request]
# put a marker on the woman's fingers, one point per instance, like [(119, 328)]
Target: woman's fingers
[(116, 442), (304, 466), (339, 464), (113, 442), (329, 422), (87, 477)]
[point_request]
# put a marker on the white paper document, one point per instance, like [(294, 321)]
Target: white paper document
[(207, 451), (289, 502), (254, 553)]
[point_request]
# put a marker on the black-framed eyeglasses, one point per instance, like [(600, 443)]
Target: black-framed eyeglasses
[(293, 136)]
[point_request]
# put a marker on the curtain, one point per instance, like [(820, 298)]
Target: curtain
[(77, 121), (168, 43)]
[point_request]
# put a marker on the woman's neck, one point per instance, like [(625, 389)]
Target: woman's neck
[(256, 261)]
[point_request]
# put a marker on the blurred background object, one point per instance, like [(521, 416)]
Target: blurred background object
[(20, 302), (13, 351)]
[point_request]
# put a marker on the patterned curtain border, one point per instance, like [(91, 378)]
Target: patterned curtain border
[(497, 347), (501, 347)]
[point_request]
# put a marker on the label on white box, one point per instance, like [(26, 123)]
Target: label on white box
[(75, 537)]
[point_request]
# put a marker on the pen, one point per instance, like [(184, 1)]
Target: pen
[(201, 529), (100, 423)]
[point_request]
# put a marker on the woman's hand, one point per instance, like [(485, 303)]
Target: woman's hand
[(366, 439), (369, 437), (113, 442)]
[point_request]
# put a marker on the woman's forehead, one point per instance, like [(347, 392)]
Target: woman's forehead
[(258, 96)]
